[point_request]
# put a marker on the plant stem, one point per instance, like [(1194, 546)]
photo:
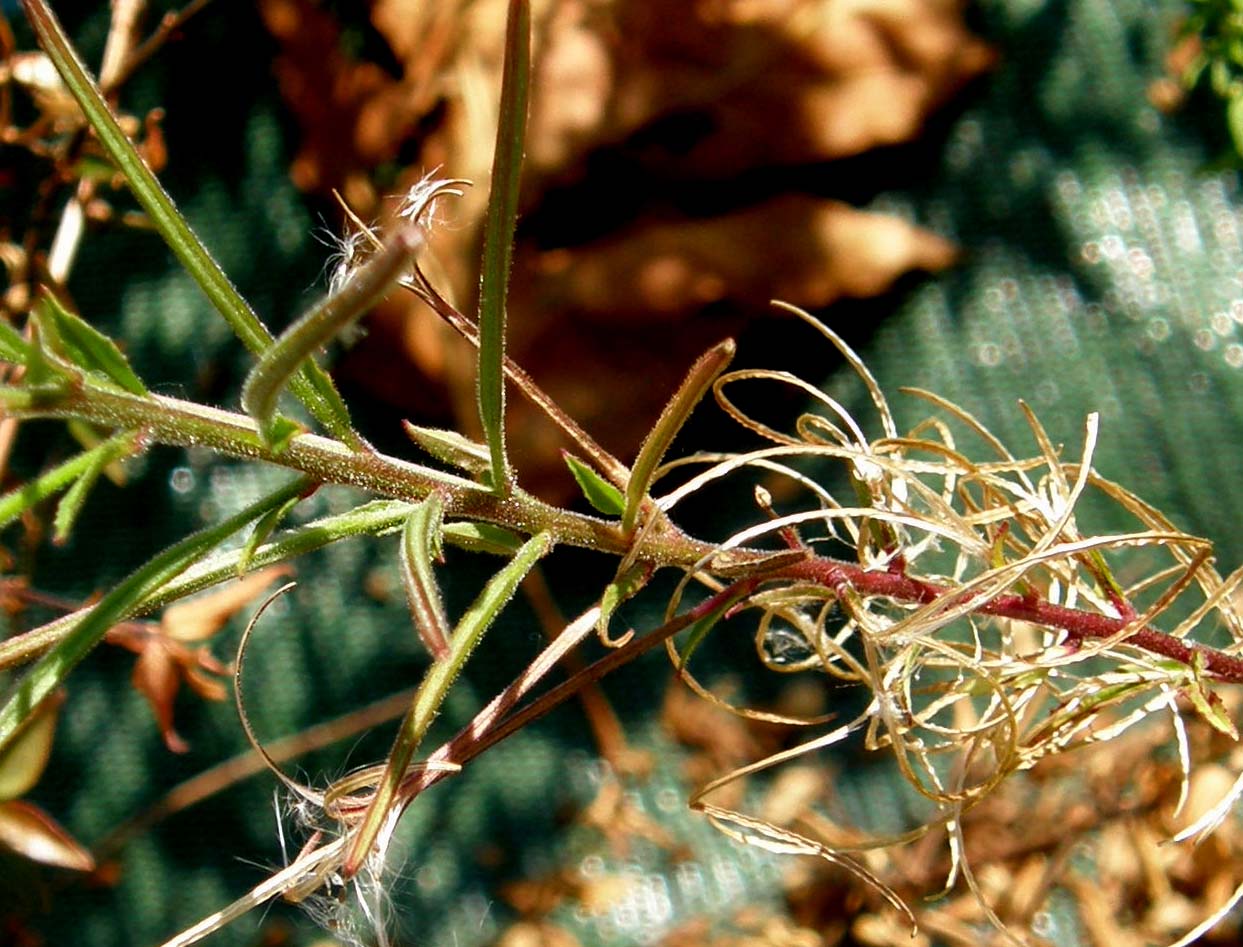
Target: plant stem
[(312, 385), (371, 519), (182, 423), (1079, 624)]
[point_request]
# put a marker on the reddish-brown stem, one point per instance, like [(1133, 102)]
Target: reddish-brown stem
[(495, 722), (1079, 624)]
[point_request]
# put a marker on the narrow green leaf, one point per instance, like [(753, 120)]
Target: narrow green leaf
[(298, 344), (451, 447), (1234, 120), (624, 587), (14, 503), (279, 431), (420, 544), (499, 237), (482, 537), (1219, 77), (42, 370), (50, 671), (696, 384), (75, 497), (90, 438), (699, 630), (377, 518), (13, 348), (601, 494), (313, 386), (1207, 704), (435, 687), (85, 346), (1105, 577), (263, 529), (1209, 707)]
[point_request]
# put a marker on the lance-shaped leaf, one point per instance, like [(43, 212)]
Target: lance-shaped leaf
[(420, 544), (1207, 704), (376, 518), (299, 343), (50, 671), (435, 687), (90, 438), (625, 586), (499, 237), (13, 348), (698, 380), (313, 386), (84, 346), (601, 494), (699, 630), (75, 497), (453, 448), (43, 369), (263, 530), (14, 503), (482, 537)]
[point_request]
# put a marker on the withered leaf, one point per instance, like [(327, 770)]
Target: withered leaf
[(32, 833), (165, 660), (23, 760), (200, 618)]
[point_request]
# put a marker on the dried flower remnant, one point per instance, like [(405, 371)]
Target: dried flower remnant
[(959, 564), (1079, 842)]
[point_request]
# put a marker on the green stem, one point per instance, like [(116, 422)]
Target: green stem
[(435, 688), (14, 503), (183, 423), (50, 671), (312, 386), (371, 519)]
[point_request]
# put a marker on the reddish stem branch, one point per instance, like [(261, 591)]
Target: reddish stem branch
[(1079, 624), (495, 722)]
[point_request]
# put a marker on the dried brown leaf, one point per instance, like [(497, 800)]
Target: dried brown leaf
[(200, 618), (32, 833), (23, 760), (720, 91), (165, 660), (157, 677)]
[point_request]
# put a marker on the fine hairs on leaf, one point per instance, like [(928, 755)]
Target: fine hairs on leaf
[(502, 217), (949, 589), (281, 361)]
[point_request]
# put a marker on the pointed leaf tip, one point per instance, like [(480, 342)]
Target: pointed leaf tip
[(601, 494)]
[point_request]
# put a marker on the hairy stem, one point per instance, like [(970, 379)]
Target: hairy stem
[(182, 423), (1077, 623)]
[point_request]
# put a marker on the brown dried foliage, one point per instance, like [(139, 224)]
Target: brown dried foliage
[(612, 267)]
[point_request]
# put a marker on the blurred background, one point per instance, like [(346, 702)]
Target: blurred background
[(997, 201)]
